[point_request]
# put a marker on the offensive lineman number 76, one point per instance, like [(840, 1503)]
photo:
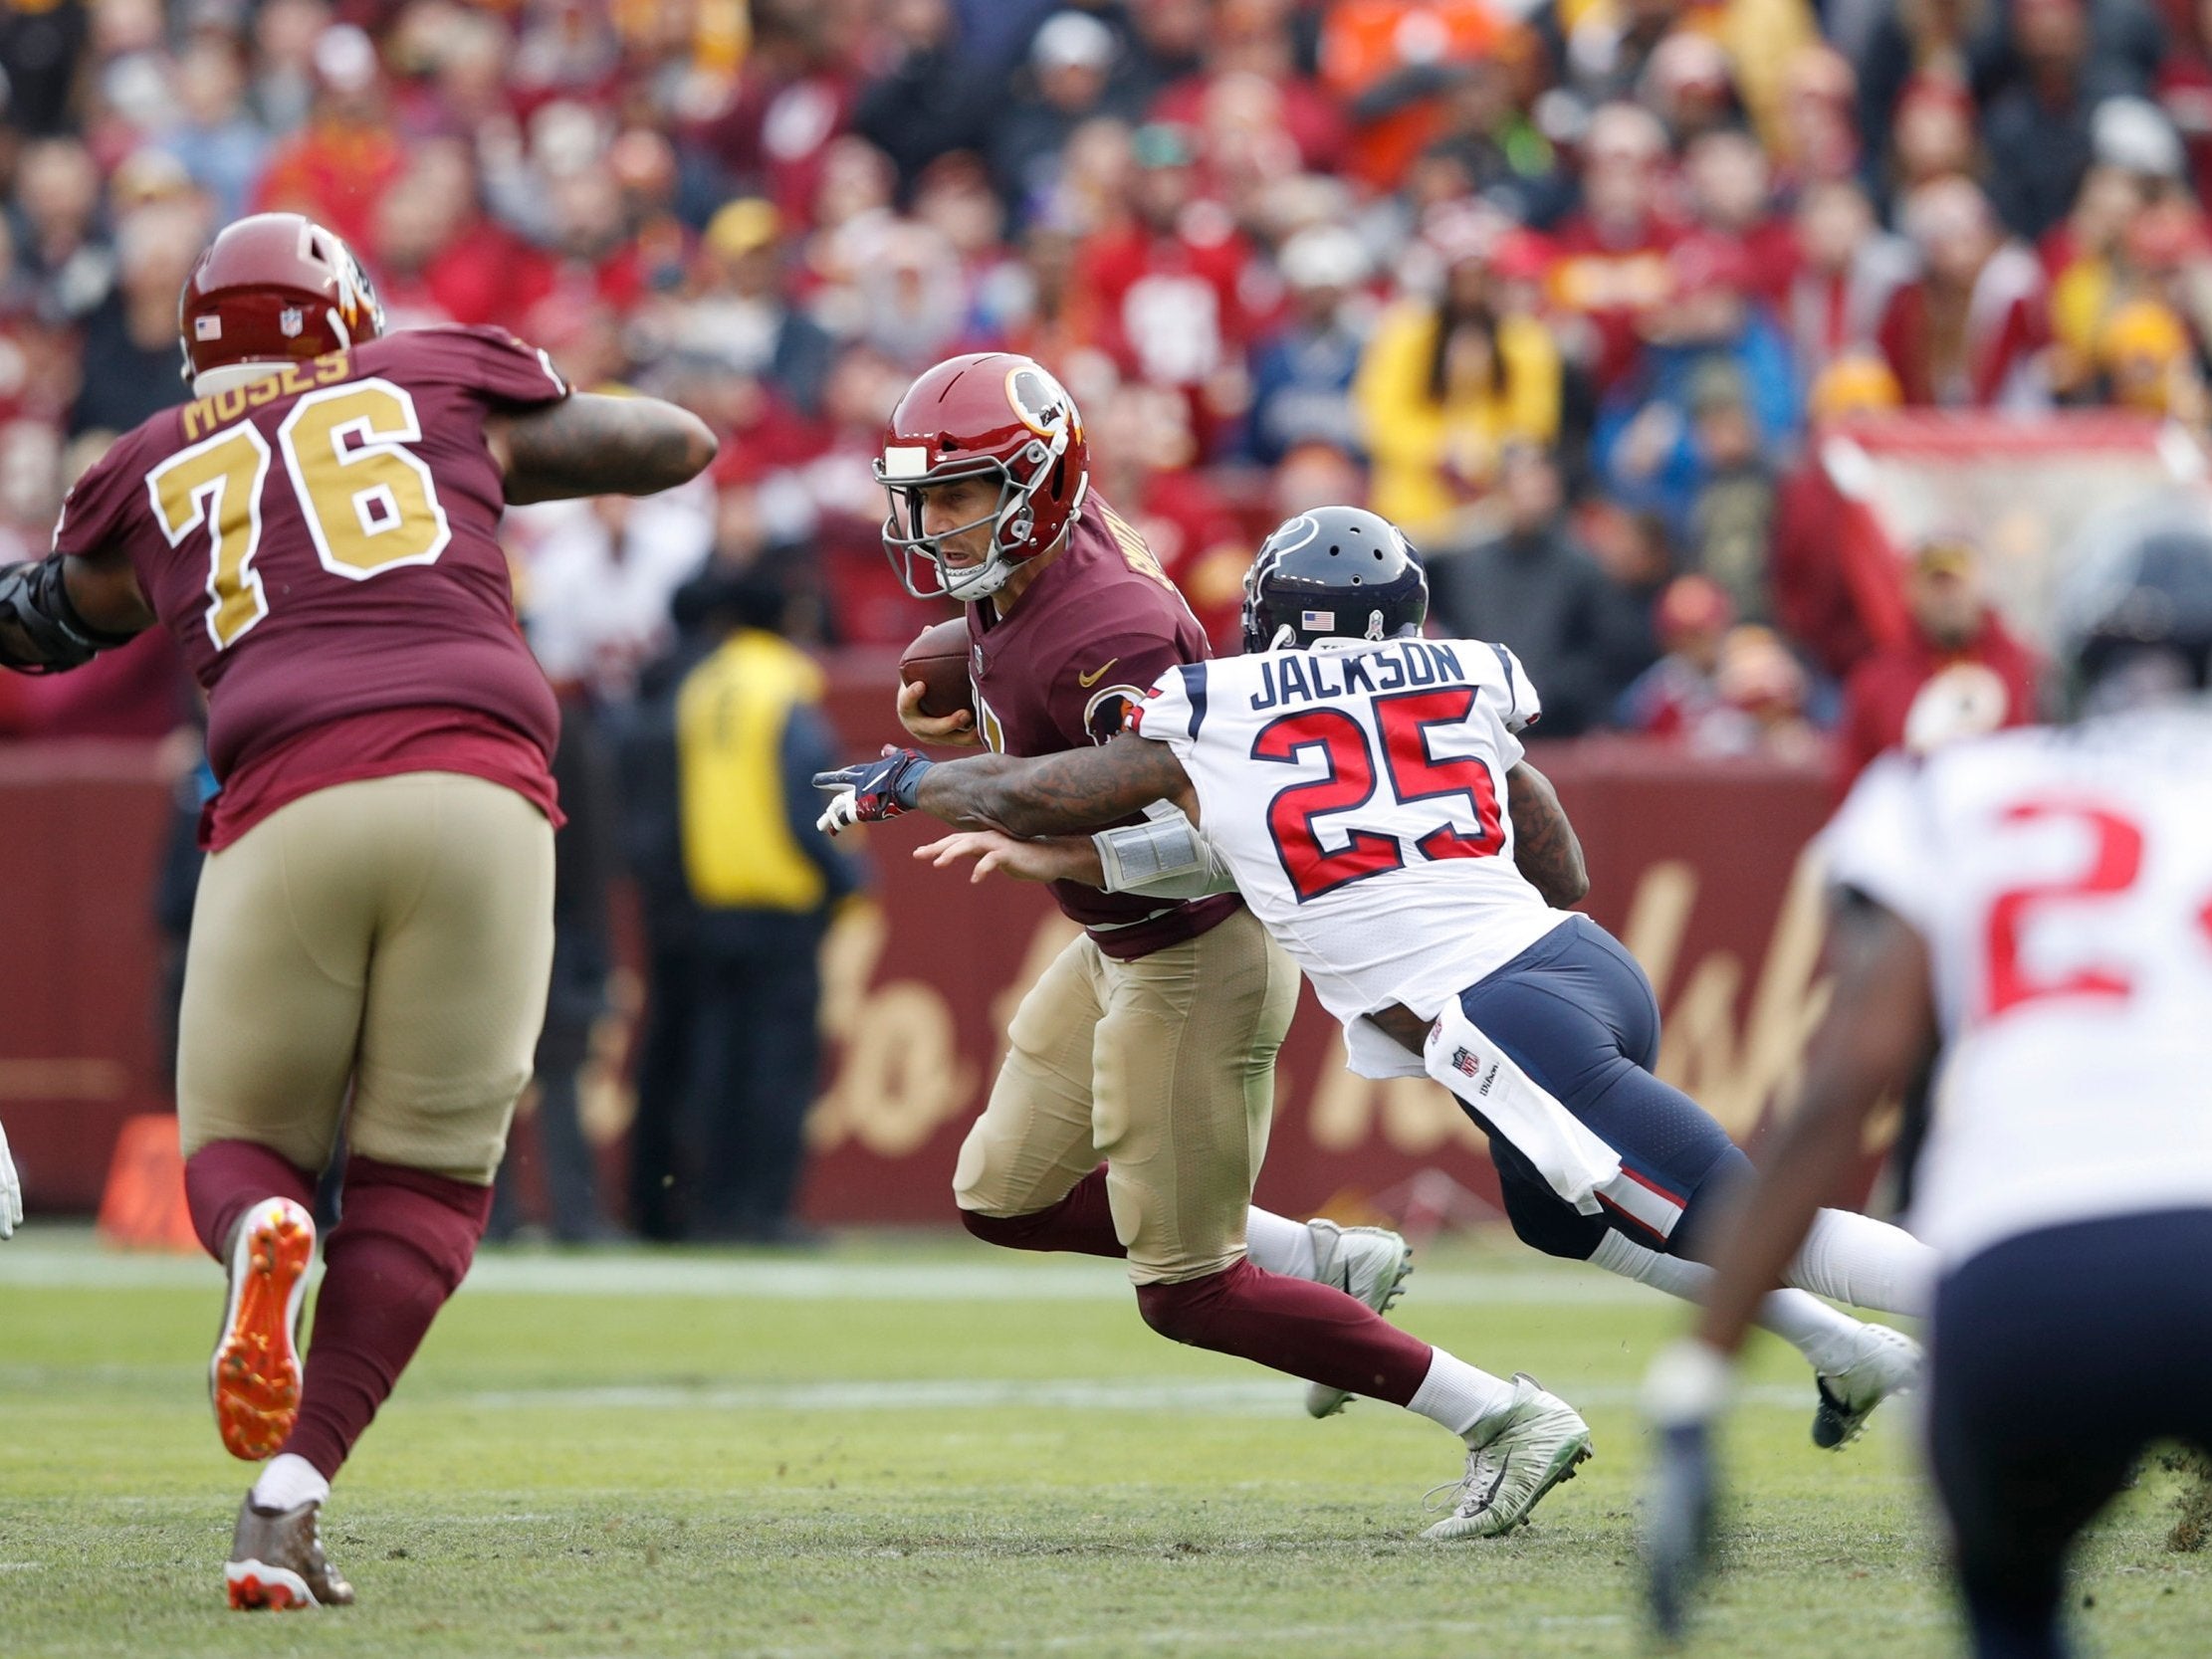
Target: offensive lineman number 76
[(368, 502)]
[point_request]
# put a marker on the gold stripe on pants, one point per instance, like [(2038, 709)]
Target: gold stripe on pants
[(1166, 1067), (393, 933)]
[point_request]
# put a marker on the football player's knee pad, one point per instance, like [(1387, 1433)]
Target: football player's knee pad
[(439, 1217), (1540, 1218), (1182, 1312), (1011, 1232)]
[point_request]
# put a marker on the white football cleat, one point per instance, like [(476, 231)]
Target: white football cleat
[(253, 1377), (1888, 1361), (1530, 1448), (1368, 1264)]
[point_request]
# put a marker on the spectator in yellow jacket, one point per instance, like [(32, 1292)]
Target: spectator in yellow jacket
[(1445, 384)]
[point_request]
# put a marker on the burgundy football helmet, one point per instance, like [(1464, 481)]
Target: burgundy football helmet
[(276, 288), (990, 414)]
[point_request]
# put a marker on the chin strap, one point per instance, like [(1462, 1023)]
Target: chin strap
[(40, 630)]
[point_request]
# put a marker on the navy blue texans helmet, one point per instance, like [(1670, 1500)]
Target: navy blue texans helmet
[(2135, 626), (1336, 572)]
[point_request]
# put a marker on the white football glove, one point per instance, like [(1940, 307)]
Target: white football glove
[(10, 1192)]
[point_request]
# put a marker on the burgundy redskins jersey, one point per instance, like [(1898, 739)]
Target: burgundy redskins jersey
[(322, 542), (1098, 625)]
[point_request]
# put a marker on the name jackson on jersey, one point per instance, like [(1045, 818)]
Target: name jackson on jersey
[(1298, 677)]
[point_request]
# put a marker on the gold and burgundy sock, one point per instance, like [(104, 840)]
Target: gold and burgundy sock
[(402, 1244), (1290, 1325), (224, 1178)]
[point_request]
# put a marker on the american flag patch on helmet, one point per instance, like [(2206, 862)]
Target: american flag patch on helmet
[(1317, 620)]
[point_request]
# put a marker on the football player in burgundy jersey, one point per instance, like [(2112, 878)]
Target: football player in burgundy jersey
[(316, 529), (1365, 790), (1151, 1039)]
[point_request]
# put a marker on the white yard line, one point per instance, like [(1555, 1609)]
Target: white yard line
[(1237, 1397), (25, 1263), (1240, 1396)]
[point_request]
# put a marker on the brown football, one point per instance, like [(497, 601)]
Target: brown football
[(938, 659)]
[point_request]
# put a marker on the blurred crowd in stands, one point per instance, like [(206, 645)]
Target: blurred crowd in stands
[(1560, 289), (1561, 285)]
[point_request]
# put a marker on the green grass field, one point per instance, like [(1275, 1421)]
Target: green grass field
[(912, 1447)]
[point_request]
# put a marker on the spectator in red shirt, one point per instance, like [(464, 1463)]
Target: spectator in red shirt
[(1691, 620), (1171, 287), (1848, 271), (2184, 90), (1813, 598), (341, 164), (1142, 464), (1249, 41), (1961, 671), (1971, 332), (1612, 255), (1731, 195)]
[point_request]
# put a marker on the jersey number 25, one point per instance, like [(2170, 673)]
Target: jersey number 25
[(1404, 720)]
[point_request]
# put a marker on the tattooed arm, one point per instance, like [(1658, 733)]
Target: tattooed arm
[(592, 445), (1051, 794), (1545, 849)]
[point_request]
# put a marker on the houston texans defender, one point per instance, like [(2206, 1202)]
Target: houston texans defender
[(1152, 1038), (2041, 903), (315, 527), (1365, 791)]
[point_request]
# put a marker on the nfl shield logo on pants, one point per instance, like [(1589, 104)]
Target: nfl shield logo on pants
[(289, 321)]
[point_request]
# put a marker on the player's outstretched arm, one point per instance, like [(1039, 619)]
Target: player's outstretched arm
[(1545, 847), (1877, 1030), (588, 444), (1059, 858), (1046, 794), (63, 610), (1053, 794)]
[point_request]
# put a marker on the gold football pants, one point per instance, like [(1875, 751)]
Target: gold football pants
[(1164, 1066), (394, 934)]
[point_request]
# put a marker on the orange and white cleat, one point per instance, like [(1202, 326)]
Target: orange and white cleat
[(253, 1377), (277, 1560)]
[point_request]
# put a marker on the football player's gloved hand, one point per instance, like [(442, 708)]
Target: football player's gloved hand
[(10, 1192), (1684, 1394), (871, 791)]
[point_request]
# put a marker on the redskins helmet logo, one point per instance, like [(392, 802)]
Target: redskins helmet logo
[(1041, 402)]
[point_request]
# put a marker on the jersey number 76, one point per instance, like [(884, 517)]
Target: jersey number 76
[(369, 503), (1404, 720)]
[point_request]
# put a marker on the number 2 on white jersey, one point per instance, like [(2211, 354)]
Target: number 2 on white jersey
[(369, 501)]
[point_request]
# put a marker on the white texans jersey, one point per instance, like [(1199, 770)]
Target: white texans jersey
[(1358, 792), (2062, 881)]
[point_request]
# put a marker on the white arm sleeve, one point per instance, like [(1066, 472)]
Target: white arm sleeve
[(1162, 857)]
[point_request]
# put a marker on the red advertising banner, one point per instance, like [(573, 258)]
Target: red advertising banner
[(1693, 863)]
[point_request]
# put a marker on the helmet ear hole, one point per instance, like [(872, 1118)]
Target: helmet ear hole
[(1060, 477)]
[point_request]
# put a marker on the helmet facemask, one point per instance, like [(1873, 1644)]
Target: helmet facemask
[(1012, 520)]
